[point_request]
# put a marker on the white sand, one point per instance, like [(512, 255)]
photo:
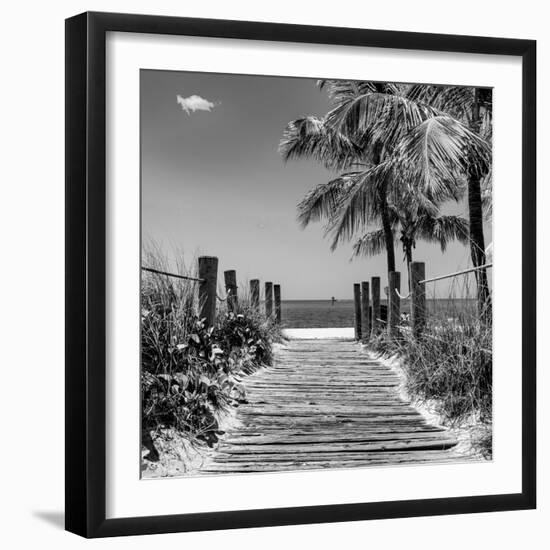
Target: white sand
[(318, 333), (464, 432)]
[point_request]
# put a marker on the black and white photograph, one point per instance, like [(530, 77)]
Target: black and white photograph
[(316, 274), (250, 294)]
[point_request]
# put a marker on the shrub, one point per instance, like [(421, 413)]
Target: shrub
[(249, 331), (199, 384), (450, 366), (191, 373)]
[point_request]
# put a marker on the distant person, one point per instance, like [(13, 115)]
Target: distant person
[(333, 300)]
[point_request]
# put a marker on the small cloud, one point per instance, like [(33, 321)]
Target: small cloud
[(194, 103)]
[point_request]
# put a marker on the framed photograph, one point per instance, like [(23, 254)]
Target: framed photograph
[(300, 274)]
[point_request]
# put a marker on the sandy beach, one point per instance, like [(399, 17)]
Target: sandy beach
[(319, 333)]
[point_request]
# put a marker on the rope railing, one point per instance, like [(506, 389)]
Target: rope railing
[(187, 278), (177, 276), (369, 318), (218, 297), (208, 296), (440, 277), (479, 267)]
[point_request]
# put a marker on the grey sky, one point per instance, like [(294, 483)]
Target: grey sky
[(213, 183)]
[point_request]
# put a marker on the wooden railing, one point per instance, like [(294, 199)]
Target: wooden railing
[(368, 318), (208, 296)]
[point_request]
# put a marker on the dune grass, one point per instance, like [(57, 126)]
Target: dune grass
[(449, 366), (191, 374)]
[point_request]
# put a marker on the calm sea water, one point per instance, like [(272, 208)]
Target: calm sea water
[(324, 314)]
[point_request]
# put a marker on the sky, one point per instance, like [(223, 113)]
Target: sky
[(214, 184)]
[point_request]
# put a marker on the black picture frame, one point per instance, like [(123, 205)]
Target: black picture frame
[(86, 263)]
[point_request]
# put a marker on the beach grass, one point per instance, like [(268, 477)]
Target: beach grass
[(191, 374), (448, 366)]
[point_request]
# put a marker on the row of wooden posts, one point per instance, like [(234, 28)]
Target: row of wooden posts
[(208, 284), (368, 316)]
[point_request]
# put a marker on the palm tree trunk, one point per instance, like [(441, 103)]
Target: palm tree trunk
[(388, 233), (407, 247), (385, 215), (477, 239), (477, 247)]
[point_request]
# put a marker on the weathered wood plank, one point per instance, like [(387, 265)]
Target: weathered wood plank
[(344, 432), (323, 405), (434, 443), (344, 461), (286, 439)]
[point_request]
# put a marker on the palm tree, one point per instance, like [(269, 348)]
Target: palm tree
[(438, 154), (474, 107), (408, 211), (409, 137), (311, 137), (412, 227), (374, 116), (315, 138)]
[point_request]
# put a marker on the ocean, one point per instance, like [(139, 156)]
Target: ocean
[(324, 314)]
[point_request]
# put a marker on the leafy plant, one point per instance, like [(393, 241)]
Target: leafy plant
[(192, 374)]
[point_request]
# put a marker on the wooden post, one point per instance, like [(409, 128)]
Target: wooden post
[(365, 304), (357, 300), (230, 278), (277, 296), (394, 304), (418, 298), (208, 272), (375, 289), (255, 293), (268, 299)]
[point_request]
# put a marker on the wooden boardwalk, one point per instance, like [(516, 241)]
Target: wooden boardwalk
[(325, 405)]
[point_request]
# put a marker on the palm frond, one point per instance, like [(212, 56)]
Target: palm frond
[(323, 200), (360, 205), (487, 194), (370, 244), (439, 153), (342, 90), (378, 119), (310, 137), (407, 202), (458, 102), (443, 229), (419, 92), (360, 114)]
